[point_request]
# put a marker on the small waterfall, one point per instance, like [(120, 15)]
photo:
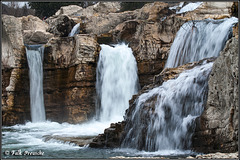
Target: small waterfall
[(117, 81), (75, 30), (164, 117), (197, 40), (189, 7), (35, 59)]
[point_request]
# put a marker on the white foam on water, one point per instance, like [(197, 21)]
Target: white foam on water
[(117, 81), (134, 152), (197, 40), (32, 134), (75, 30), (189, 7), (171, 123)]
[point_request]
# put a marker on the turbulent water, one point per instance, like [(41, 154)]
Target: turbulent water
[(197, 40), (35, 60), (29, 138), (117, 81), (189, 7), (164, 117), (170, 122), (75, 30)]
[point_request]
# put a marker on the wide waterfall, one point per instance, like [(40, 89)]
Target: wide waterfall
[(75, 30), (35, 60), (197, 40), (117, 81), (170, 123)]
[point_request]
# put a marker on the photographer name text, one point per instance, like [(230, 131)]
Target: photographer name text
[(23, 153)]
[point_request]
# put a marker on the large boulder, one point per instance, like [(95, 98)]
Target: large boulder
[(68, 10), (34, 30), (98, 8), (217, 129), (60, 25), (12, 42), (33, 23)]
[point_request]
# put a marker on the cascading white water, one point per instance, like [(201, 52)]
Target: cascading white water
[(170, 123), (164, 117), (75, 30), (117, 81), (188, 7), (35, 59), (197, 40)]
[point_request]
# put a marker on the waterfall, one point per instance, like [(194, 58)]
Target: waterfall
[(75, 30), (164, 117), (197, 40), (35, 58), (117, 81)]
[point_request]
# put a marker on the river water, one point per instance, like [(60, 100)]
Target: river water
[(29, 137)]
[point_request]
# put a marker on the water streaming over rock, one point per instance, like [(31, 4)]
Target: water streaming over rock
[(75, 30), (164, 117), (35, 60), (117, 81), (197, 40)]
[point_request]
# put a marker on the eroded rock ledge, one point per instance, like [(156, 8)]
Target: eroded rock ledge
[(217, 128)]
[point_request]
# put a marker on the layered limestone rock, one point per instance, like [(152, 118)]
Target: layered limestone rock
[(71, 62), (68, 10), (34, 30), (151, 44), (15, 89), (217, 129), (12, 42), (150, 35), (80, 141), (100, 7)]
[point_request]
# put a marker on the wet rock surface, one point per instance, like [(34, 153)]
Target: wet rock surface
[(80, 141), (111, 137), (114, 135), (217, 128), (71, 62)]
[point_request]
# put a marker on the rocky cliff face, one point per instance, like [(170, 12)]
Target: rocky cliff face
[(15, 90), (69, 78), (149, 31), (217, 129)]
